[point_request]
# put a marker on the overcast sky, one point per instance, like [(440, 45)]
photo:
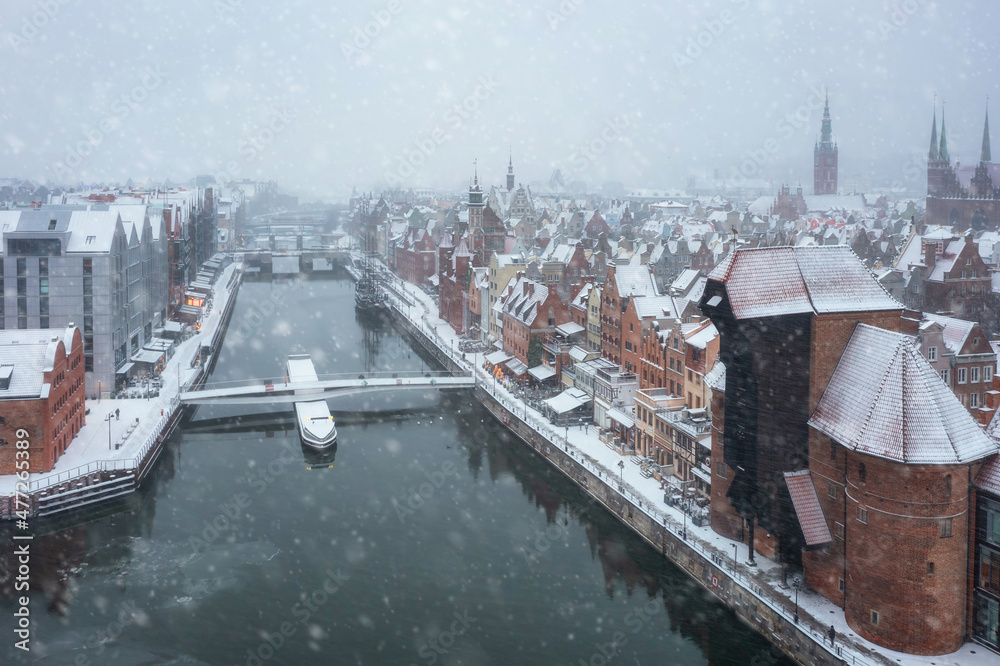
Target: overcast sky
[(647, 94)]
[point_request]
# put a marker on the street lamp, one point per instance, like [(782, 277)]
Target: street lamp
[(734, 556), (108, 419), (796, 583), (621, 469)]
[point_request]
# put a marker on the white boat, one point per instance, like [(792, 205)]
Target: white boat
[(316, 425)]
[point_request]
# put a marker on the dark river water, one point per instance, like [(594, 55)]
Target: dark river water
[(429, 536)]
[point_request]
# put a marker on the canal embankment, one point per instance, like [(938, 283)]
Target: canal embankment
[(121, 440), (754, 593)]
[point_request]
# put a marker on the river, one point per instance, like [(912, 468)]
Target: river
[(430, 535)]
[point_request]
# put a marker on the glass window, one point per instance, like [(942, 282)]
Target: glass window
[(961, 375), (932, 353), (43, 286), (88, 266), (987, 373)]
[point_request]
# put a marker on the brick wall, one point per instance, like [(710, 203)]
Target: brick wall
[(920, 611)]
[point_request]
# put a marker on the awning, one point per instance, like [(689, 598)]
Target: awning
[(701, 474), (542, 372), (569, 328), (147, 356), (616, 414), (193, 310), (807, 508), (578, 353), (516, 367), (124, 369), (173, 326), (159, 344), (568, 400), (497, 357)]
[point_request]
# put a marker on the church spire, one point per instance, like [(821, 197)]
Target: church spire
[(932, 154), (943, 150), (510, 171), (984, 155), (827, 131)]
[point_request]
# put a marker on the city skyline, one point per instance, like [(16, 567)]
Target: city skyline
[(398, 93)]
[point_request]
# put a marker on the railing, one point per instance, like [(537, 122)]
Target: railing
[(554, 437)]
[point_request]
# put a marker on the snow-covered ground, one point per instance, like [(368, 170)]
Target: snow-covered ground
[(585, 446), (90, 446)]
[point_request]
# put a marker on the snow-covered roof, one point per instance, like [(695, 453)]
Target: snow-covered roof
[(26, 354), (884, 399), (568, 400), (634, 281), (956, 331), (716, 377), (765, 282), (658, 307), (988, 478), (92, 231), (701, 338)]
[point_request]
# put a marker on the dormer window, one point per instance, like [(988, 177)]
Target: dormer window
[(90, 240)]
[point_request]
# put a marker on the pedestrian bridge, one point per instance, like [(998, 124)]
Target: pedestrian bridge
[(276, 390)]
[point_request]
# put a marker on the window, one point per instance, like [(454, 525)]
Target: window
[(831, 489), (932, 354), (88, 266), (974, 375), (838, 531), (874, 617), (945, 375), (973, 400), (862, 473), (862, 515), (43, 266), (840, 585), (22, 267), (961, 375), (43, 286), (987, 373), (945, 528), (930, 568), (833, 450), (720, 471)]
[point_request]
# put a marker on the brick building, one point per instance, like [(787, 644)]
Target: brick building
[(416, 256), (623, 283), (839, 438), (41, 391), (639, 318), (454, 276), (891, 455), (530, 311)]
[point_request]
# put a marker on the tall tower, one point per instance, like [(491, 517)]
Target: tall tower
[(510, 174), (938, 162), (825, 157), (476, 204)]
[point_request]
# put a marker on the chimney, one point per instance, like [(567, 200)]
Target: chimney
[(930, 252), (524, 288)]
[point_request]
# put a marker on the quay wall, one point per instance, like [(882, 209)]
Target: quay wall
[(804, 642)]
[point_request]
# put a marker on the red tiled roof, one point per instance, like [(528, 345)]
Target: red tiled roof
[(807, 507), (765, 282), (988, 478)]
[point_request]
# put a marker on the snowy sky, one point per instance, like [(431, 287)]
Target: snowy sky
[(647, 94)]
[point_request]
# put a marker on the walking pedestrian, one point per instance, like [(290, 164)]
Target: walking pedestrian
[(116, 414), (832, 634)]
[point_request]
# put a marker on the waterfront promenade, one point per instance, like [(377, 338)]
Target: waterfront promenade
[(140, 422), (719, 564)]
